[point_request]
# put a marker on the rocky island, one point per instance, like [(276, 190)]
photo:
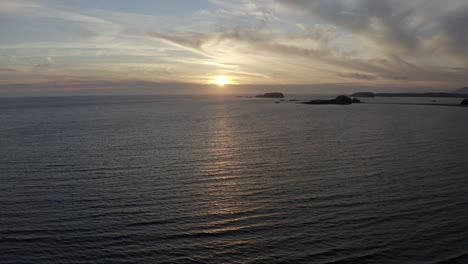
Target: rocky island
[(464, 102), (340, 100), (270, 95)]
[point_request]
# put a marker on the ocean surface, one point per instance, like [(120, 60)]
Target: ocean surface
[(219, 179)]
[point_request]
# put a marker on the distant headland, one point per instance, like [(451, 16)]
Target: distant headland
[(437, 95), (463, 90)]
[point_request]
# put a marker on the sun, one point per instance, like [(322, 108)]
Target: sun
[(221, 81)]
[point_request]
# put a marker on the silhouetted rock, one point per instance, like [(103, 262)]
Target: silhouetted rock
[(356, 101), (340, 100), (464, 102), (343, 100), (270, 95)]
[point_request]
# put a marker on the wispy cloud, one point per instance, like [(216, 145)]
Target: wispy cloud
[(5, 69), (396, 26), (358, 76)]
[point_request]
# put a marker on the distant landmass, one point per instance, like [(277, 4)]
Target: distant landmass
[(441, 95), (462, 90), (340, 100), (272, 95)]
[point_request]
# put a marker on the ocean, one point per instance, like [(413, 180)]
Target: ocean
[(220, 179)]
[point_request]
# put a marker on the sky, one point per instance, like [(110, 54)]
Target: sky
[(145, 46)]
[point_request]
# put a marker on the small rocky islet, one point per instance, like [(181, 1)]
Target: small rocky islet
[(270, 95)]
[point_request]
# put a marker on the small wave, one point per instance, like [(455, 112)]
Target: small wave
[(461, 258)]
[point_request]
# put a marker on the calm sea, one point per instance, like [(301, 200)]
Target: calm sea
[(193, 179)]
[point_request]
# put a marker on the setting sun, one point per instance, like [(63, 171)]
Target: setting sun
[(222, 80)]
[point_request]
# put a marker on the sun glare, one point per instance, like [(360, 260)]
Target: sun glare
[(222, 80)]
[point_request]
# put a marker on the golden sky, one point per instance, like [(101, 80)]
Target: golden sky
[(116, 43)]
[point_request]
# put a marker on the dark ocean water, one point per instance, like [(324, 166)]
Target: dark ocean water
[(231, 180)]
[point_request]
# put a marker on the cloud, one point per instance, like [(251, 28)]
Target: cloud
[(358, 76), (90, 25), (453, 31), (384, 22), (395, 77), (396, 26), (47, 65), (193, 42), (6, 69), (316, 45), (252, 40)]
